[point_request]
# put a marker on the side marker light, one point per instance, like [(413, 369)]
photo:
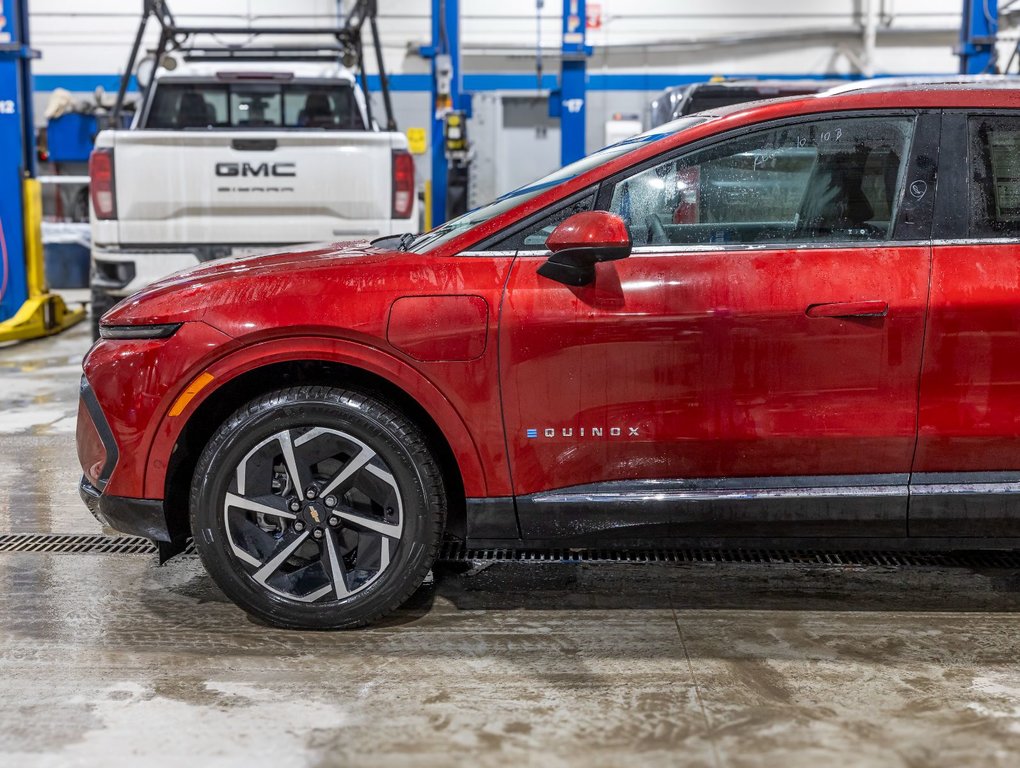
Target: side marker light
[(188, 395)]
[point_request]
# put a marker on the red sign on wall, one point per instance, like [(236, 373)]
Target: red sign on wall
[(593, 16)]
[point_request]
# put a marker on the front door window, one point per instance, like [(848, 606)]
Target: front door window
[(828, 181)]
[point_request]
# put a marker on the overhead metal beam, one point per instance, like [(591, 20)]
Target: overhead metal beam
[(348, 46)]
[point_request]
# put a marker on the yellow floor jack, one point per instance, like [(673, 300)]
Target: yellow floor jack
[(43, 313)]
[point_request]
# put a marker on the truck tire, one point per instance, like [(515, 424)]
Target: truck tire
[(100, 304), (317, 508)]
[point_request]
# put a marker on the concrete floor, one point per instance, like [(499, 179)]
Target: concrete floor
[(111, 660)]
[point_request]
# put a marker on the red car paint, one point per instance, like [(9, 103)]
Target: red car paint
[(707, 367), (434, 329), (970, 384), (715, 362), (593, 229)]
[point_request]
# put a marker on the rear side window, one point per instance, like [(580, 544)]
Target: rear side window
[(826, 181), (995, 177), (180, 106)]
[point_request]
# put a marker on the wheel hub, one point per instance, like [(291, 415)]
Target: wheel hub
[(314, 514), (342, 497)]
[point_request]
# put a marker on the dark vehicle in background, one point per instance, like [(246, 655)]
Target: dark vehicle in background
[(700, 97)]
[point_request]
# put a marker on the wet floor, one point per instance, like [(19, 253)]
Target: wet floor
[(111, 660)]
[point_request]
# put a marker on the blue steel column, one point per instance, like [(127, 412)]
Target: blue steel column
[(447, 11), (17, 160), (573, 77), (978, 29)]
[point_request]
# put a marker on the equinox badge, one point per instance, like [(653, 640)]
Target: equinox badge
[(583, 432)]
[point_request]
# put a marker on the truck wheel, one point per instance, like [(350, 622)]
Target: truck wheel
[(317, 508), (99, 306)]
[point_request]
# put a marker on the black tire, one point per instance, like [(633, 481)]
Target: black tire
[(100, 304), (393, 501)]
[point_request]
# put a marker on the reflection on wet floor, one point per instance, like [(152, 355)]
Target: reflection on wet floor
[(38, 412), (39, 383), (551, 664), (111, 660)]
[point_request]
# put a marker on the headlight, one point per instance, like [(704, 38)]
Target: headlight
[(138, 331)]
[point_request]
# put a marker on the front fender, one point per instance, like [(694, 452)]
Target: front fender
[(318, 349)]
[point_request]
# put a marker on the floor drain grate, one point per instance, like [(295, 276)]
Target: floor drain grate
[(76, 544), (452, 552)]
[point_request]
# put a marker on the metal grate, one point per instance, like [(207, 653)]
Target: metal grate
[(453, 552), (77, 543)]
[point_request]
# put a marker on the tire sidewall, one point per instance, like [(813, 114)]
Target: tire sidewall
[(289, 409)]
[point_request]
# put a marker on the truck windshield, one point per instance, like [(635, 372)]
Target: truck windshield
[(297, 105), (449, 230), (706, 99)]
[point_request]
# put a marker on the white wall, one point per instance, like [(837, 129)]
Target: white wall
[(83, 43), (636, 35)]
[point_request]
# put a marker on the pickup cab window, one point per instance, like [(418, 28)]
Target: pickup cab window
[(294, 105)]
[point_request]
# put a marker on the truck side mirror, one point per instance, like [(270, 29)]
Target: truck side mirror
[(582, 241)]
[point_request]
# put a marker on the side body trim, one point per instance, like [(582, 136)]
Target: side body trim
[(965, 504), (929, 507), (622, 511)]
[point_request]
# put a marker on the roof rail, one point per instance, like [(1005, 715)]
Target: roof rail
[(346, 47)]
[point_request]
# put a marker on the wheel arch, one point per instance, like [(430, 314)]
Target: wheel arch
[(261, 370)]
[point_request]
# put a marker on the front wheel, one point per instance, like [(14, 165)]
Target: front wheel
[(317, 508)]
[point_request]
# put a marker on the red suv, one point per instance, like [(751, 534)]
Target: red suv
[(793, 322)]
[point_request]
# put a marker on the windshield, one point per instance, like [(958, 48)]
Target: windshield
[(451, 229), (707, 99)]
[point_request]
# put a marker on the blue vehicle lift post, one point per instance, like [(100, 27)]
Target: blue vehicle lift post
[(444, 54), (569, 102), (27, 309), (978, 30)]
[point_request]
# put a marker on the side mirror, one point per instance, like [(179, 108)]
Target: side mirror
[(581, 242)]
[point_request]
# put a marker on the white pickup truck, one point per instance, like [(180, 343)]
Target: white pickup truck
[(236, 157)]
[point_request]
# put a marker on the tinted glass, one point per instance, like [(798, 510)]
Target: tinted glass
[(321, 106), (179, 106), (455, 227), (703, 100), (827, 181), (255, 106), (189, 106), (995, 178), (533, 236)]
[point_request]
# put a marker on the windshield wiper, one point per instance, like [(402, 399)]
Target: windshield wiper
[(405, 241)]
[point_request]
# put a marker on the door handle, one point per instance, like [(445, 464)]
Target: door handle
[(253, 145), (849, 309)]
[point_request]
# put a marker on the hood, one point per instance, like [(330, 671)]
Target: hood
[(252, 281)]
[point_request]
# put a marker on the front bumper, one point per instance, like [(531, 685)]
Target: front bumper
[(98, 453), (135, 517), (120, 273)]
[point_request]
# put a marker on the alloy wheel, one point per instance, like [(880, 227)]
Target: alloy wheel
[(313, 514)]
